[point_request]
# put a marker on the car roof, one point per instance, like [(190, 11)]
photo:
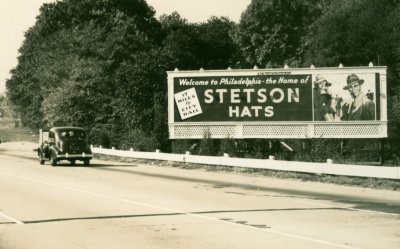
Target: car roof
[(69, 128)]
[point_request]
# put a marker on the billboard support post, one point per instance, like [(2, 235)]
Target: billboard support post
[(382, 151)]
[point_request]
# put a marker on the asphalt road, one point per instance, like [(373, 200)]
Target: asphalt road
[(115, 205)]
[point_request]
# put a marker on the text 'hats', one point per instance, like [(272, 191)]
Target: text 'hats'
[(351, 80)]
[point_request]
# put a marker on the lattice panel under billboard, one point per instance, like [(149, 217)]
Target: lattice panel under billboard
[(305, 130), (222, 131), (274, 131), (348, 130)]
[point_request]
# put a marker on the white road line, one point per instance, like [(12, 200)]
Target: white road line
[(295, 236), (7, 217)]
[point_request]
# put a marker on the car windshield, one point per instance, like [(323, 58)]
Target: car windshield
[(72, 134)]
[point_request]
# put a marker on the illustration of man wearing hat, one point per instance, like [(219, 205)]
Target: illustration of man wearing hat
[(360, 107), (323, 110)]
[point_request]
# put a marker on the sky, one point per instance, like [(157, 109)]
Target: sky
[(17, 16)]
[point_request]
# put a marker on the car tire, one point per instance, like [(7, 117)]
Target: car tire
[(41, 160), (86, 162), (53, 161), (72, 162)]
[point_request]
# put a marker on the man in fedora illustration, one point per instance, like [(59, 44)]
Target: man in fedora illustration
[(360, 107)]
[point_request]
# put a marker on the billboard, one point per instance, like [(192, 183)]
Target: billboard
[(278, 103)]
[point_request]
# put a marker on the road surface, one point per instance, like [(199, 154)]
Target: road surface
[(116, 205)]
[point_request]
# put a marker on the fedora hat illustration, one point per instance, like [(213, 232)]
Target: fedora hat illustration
[(319, 79), (353, 79)]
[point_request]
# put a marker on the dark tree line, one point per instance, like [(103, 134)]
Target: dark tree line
[(102, 64)]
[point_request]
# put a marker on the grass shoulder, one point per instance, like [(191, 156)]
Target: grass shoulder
[(373, 183)]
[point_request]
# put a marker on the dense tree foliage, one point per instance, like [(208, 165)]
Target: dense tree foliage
[(208, 45), (270, 32), (218, 49), (102, 64), (89, 63), (181, 42), (354, 32)]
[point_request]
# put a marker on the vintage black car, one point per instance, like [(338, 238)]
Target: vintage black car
[(64, 143)]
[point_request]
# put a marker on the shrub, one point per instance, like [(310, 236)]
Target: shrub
[(208, 146), (228, 146), (100, 136), (139, 141), (180, 146)]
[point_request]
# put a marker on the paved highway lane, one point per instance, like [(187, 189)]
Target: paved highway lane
[(116, 205)]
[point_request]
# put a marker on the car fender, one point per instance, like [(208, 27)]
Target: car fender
[(43, 150), (53, 151)]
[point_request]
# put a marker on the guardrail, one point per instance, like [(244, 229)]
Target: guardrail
[(305, 167)]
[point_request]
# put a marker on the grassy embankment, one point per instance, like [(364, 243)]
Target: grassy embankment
[(375, 183)]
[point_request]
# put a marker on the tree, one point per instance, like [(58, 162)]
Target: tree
[(207, 45), (354, 33), (81, 99), (79, 55), (270, 32), (181, 44), (218, 49)]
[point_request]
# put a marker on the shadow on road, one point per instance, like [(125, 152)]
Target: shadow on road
[(362, 204), (177, 213)]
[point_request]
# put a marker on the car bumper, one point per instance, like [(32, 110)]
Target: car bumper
[(81, 156)]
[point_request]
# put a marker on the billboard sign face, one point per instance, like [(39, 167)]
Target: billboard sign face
[(229, 102), (249, 98)]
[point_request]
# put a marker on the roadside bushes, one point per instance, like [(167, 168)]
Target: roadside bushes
[(339, 150), (361, 150), (180, 146), (205, 147), (306, 150), (351, 151), (208, 147), (319, 150), (100, 136), (257, 148), (228, 146), (139, 141)]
